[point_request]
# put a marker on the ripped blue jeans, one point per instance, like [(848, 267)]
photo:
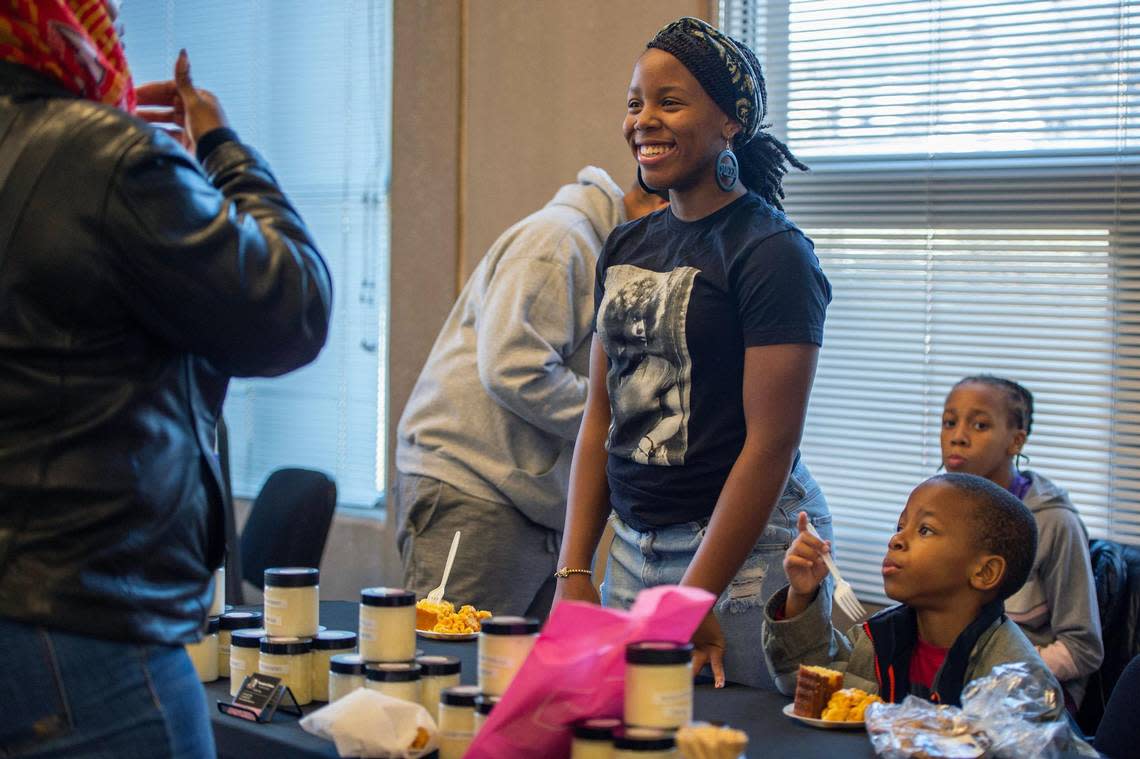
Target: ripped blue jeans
[(640, 560)]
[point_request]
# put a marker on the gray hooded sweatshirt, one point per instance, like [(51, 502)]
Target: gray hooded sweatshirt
[(1057, 608), (498, 404)]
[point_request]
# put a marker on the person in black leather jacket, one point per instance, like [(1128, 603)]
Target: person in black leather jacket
[(134, 281)]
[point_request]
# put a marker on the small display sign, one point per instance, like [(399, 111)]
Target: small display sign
[(259, 697)]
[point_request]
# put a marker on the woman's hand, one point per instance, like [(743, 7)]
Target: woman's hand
[(803, 563), (180, 108), (576, 587), (708, 648)]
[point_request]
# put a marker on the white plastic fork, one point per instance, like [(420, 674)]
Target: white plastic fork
[(844, 596), (436, 595)]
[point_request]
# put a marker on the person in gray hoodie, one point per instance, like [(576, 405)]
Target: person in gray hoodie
[(986, 421), (485, 441)]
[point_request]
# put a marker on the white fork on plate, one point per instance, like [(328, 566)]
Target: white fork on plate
[(436, 595), (844, 596)]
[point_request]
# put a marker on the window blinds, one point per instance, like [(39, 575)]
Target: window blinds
[(973, 200), (307, 84)]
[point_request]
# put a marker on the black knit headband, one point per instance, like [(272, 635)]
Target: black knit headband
[(727, 70)]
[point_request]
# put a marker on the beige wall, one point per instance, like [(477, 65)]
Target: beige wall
[(496, 103), (545, 95)]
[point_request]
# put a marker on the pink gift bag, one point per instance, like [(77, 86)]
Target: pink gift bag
[(577, 670)]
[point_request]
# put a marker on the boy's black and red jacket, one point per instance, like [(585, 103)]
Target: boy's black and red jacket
[(894, 634), (875, 655)]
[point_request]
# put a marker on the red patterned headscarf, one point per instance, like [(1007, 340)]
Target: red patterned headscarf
[(73, 42)]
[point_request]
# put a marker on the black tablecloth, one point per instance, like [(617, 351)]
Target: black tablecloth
[(770, 733)]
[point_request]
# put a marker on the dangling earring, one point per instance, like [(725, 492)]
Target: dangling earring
[(1018, 458), (727, 168), (648, 190)]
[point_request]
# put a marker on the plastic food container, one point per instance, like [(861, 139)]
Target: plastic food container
[(292, 602), (290, 659), (387, 624), (658, 684), (504, 643), (228, 622), (326, 645)]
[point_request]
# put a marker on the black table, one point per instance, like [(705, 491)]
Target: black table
[(757, 712)]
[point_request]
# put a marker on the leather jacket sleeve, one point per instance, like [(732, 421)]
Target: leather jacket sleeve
[(216, 263)]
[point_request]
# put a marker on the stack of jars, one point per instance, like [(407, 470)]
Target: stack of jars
[(504, 643), (658, 701), (286, 641), (387, 662), (205, 653)]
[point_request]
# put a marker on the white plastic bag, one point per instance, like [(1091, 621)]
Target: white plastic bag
[(369, 723)]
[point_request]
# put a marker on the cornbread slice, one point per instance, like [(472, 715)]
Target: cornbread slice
[(428, 614), (814, 688)]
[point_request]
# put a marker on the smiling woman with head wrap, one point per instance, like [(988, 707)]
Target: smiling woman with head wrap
[(134, 281), (701, 461)]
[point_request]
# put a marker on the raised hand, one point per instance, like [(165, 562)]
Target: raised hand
[(803, 564), (178, 107)]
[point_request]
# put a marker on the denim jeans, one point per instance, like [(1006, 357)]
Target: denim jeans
[(640, 560), (65, 695)]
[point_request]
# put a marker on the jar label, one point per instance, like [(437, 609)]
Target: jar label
[(499, 662), (277, 670), (491, 667), (274, 602), (367, 627), (677, 704)]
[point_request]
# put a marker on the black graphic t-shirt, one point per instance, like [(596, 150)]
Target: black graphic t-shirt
[(676, 304)]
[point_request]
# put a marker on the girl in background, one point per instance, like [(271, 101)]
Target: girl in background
[(986, 421)]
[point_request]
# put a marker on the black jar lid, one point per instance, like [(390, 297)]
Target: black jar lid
[(292, 577), (247, 637), (434, 666), (658, 652), (393, 672), (484, 703), (286, 646), (387, 597), (347, 664), (643, 739), (511, 626), (211, 626), (596, 729), (460, 695), (240, 620), (334, 640)]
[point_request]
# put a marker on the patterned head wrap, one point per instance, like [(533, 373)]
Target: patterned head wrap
[(727, 69), (73, 42)]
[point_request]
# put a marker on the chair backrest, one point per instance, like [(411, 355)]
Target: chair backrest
[(288, 523), (1116, 573)]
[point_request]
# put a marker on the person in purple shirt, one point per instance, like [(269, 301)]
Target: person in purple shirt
[(986, 422)]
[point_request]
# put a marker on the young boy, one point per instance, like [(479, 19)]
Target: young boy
[(963, 546)]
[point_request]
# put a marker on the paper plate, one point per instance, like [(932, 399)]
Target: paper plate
[(446, 636), (825, 724)]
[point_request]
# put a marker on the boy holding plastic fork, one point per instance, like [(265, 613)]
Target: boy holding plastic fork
[(963, 545)]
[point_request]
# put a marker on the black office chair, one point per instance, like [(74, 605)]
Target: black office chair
[(288, 523), (1116, 573), (234, 592)]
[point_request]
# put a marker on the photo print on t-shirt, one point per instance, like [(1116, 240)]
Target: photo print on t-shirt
[(641, 322)]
